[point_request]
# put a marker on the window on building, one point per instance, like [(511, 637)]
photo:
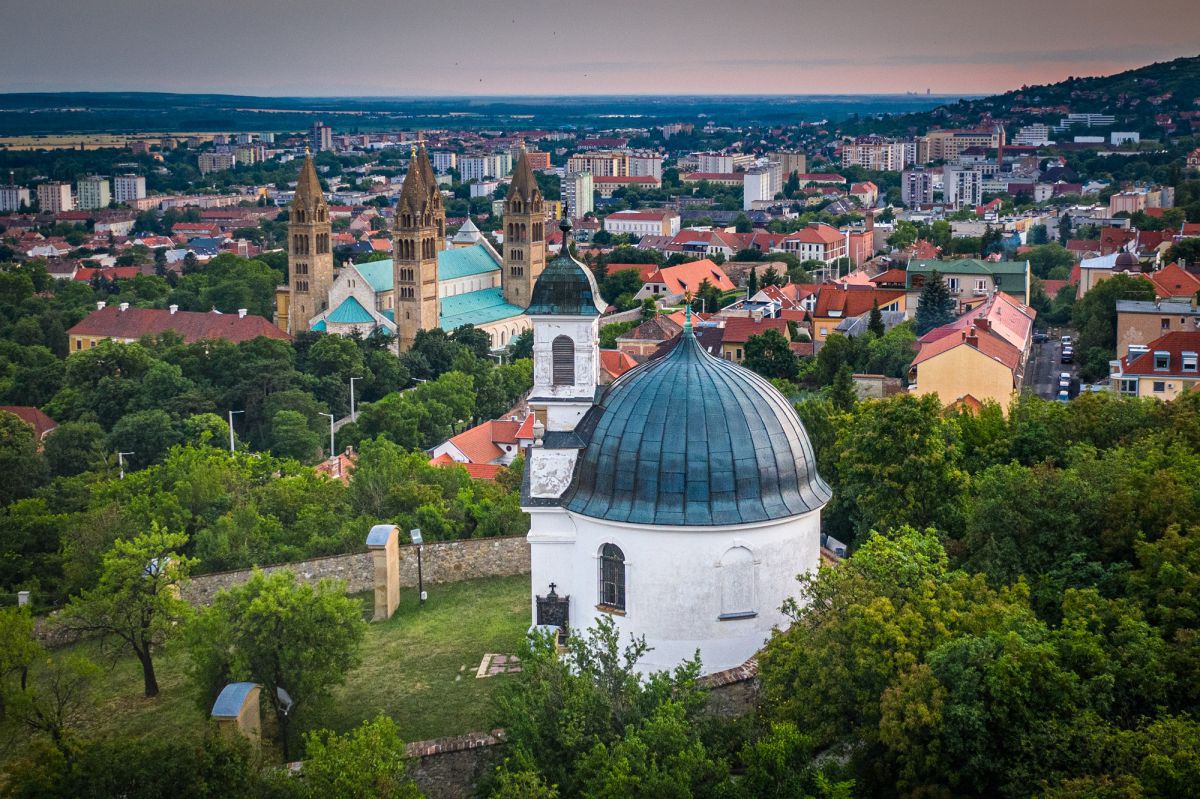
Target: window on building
[(1159, 386), (1129, 386), (738, 599), (1166, 324), (612, 577), (1162, 361), (952, 283), (562, 352), (1189, 362)]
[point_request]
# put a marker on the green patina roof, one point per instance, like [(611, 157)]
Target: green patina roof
[(464, 262), (460, 262), (565, 288), (475, 308), (350, 312), (319, 326), (689, 439), (378, 274)]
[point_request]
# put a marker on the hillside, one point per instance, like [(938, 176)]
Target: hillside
[(1141, 99)]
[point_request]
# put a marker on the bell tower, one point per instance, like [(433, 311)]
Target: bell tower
[(418, 234), (310, 256), (524, 235)]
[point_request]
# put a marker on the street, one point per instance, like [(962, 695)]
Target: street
[(1044, 365)]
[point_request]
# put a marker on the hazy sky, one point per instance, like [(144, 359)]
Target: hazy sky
[(441, 47)]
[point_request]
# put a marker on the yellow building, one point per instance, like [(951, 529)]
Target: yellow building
[(1164, 369)]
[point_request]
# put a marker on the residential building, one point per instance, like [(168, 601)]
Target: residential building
[(719, 178), (601, 163), (948, 145), (790, 161), (42, 424), (1140, 322), (1163, 369), (714, 162), (738, 330), (93, 192), (577, 192), (1036, 135), (836, 303), (978, 358), (127, 324), (606, 185), (480, 167), (970, 280), (872, 152), (215, 162), (670, 284), (963, 187), (128, 188), (1128, 202), (444, 161), (321, 137), (538, 160), (486, 448), (641, 164), (55, 197), (867, 193), (1087, 120), (916, 187), (14, 198), (817, 242), (757, 189), (643, 223)]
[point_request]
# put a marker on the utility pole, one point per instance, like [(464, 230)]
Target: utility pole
[(331, 419), (231, 413), (353, 412), (121, 462)]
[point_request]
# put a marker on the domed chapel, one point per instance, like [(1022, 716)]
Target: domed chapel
[(682, 500)]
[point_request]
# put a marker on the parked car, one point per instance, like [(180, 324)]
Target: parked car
[(1040, 338), (1063, 396), (1068, 355), (1064, 375), (1065, 341)]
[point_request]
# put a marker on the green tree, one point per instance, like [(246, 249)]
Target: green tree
[(292, 437), (56, 698), (147, 434), (770, 354), (875, 323), (280, 633), (74, 447), (1185, 250), (841, 391), (521, 346), (136, 603), (935, 305), (18, 456), (366, 763), (904, 235), (752, 282), (1095, 313)]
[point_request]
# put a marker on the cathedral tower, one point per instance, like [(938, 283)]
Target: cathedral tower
[(417, 236), (310, 256), (524, 235)]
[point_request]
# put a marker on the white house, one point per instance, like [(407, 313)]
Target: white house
[(681, 502), (643, 223)]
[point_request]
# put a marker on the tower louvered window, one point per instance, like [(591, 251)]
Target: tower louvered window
[(562, 352)]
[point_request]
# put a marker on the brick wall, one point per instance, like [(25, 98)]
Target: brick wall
[(442, 562)]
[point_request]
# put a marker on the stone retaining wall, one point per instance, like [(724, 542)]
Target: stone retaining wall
[(441, 561), (451, 768)]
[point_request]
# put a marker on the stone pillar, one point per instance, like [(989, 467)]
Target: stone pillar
[(236, 710), (384, 543)]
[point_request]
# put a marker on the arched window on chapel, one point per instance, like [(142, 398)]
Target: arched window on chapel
[(612, 577)]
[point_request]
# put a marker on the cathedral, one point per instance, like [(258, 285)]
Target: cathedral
[(681, 501), (428, 282)]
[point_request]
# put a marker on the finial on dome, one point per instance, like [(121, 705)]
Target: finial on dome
[(687, 312)]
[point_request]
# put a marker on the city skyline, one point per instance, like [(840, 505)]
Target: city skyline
[(375, 48)]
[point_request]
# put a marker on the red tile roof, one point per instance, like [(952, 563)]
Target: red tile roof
[(845, 302), (740, 328), (644, 270), (616, 363), (1175, 343), (642, 216), (40, 422), (1174, 281), (689, 276), (816, 233), (478, 471), (133, 323), (479, 443)]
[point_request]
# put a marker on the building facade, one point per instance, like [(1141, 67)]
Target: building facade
[(310, 254), (55, 197), (93, 192), (14, 198), (578, 192), (128, 188), (524, 235)]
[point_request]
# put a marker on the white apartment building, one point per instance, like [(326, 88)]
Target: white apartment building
[(643, 223), (641, 165), (1033, 136), (963, 187), (93, 192), (1089, 120), (601, 163), (215, 162), (128, 188), (757, 188), (481, 167), (13, 197), (714, 162), (880, 156), (444, 161), (578, 192), (55, 197)]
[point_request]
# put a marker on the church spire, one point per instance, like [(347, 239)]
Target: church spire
[(524, 185), (415, 190), (308, 185)]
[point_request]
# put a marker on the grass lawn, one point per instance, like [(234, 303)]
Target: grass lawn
[(418, 667)]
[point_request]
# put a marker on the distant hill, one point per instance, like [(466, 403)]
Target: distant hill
[(1138, 98)]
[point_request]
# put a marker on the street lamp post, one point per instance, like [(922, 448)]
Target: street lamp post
[(331, 418), (121, 462), (415, 536), (353, 412), (231, 413)]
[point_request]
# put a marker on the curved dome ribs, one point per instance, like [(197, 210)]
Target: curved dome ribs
[(689, 439)]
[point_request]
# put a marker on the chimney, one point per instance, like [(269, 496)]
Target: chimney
[(173, 309), (124, 307), (972, 339), (982, 323), (100, 305), (242, 313)]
